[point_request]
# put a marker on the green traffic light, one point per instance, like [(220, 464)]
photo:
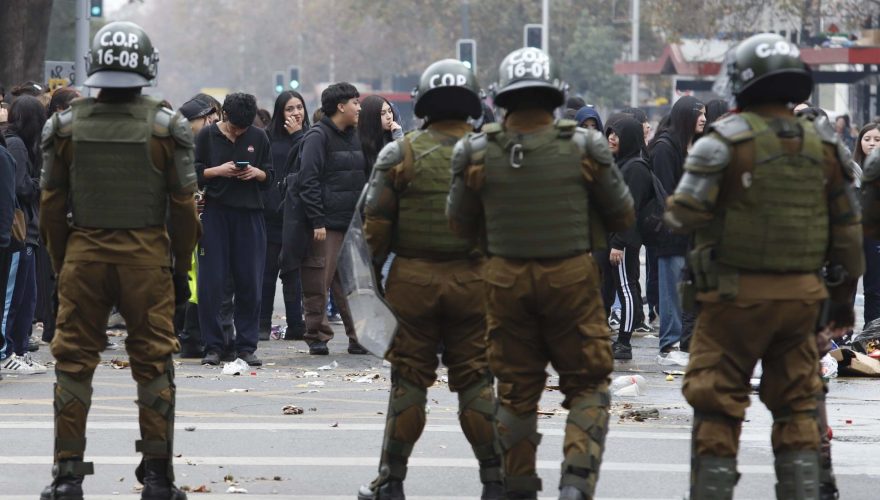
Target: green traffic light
[(279, 88), (294, 84), (96, 11)]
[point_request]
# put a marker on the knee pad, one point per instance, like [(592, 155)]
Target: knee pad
[(476, 411), (405, 396), (71, 389), (589, 414), (797, 475), (713, 478)]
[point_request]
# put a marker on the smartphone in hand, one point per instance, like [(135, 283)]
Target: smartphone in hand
[(241, 165)]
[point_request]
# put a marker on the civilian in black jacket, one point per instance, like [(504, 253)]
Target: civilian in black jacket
[(330, 181), (234, 163), (668, 151), (290, 120), (627, 143), (7, 208)]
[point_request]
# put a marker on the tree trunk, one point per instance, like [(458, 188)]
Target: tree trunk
[(24, 29)]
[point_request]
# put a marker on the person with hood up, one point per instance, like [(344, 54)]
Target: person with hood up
[(627, 144), (588, 117)]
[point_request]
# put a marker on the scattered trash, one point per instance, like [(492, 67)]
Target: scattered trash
[(364, 380), (643, 414), (649, 336), (629, 385), (236, 367), (189, 428), (674, 372), (271, 364), (386, 363), (316, 383), (848, 421), (291, 410), (331, 366), (201, 489), (234, 489), (119, 364), (334, 424), (310, 374), (829, 367), (238, 390), (851, 362), (670, 378)]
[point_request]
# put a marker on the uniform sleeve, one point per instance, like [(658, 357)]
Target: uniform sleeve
[(464, 208), (382, 202), (692, 204), (54, 229), (846, 259), (309, 180), (184, 227), (609, 194)]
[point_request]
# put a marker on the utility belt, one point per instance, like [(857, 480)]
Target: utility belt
[(706, 274)]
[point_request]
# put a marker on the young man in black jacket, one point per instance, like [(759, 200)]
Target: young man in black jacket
[(332, 175), (627, 143)]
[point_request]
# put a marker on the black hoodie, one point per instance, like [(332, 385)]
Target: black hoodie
[(636, 174)]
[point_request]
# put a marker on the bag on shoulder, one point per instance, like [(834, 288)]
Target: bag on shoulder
[(651, 227)]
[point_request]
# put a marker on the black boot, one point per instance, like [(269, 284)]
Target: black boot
[(392, 489), (157, 482), (67, 485), (492, 491)]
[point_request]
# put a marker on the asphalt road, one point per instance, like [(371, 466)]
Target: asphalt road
[(231, 432)]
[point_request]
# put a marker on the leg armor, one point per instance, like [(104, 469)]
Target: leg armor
[(797, 475), (828, 482), (73, 397), (518, 438), (476, 411), (585, 432), (406, 420), (156, 401), (712, 477)]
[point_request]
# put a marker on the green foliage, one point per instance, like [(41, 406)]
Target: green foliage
[(589, 65)]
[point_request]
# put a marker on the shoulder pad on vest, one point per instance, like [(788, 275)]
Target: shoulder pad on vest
[(391, 155), (180, 130), (709, 155), (492, 129), (63, 126), (825, 130), (871, 170), (733, 128), (469, 147), (162, 122), (565, 127), (593, 144)]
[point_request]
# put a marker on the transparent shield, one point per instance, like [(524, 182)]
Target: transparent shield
[(374, 322)]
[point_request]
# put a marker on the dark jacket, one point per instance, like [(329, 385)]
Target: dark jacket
[(281, 148), (332, 175), (637, 176), (667, 163), (213, 149), (7, 196), (27, 185)]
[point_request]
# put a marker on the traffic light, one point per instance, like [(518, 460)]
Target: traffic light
[(293, 81), (96, 8), (279, 82), (532, 35), (467, 52)]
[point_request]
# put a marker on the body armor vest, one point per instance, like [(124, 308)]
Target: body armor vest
[(113, 182), (780, 223), (422, 229), (535, 197)]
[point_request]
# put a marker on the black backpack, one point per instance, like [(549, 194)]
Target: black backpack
[(649, 219)]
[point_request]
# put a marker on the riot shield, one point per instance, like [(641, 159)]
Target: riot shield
[(374, 321)]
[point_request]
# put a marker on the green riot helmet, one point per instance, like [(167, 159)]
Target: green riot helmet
[(121, 56), (528, 68), (447, 87), (767, 68)]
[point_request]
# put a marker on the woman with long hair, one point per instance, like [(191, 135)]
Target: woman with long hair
[(376, 127), (290, 121), (26, 119), (869, 140), (668, 150)]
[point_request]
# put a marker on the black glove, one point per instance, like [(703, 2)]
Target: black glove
[(181, 288)]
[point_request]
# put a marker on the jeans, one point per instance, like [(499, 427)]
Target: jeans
[(669, 273)]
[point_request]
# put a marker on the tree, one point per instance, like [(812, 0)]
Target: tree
[(24, 25), (590, 65)]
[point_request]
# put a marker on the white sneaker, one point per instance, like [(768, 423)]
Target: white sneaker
[(673, 358), (18, 366), (37, 366)]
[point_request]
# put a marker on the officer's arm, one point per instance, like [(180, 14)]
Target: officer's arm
[(846, 259), (184, 227), (693, 204), (57, 157), (609, 194), (464, 208), (381, 204), (870, 195)]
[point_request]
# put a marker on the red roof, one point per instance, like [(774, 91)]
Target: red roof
[(671, 62)]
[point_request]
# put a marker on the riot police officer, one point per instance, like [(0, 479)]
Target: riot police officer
[(123, 165), (770, 203), (434, 286), (541, 195)]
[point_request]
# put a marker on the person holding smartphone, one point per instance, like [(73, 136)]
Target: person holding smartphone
[(234, 164)]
